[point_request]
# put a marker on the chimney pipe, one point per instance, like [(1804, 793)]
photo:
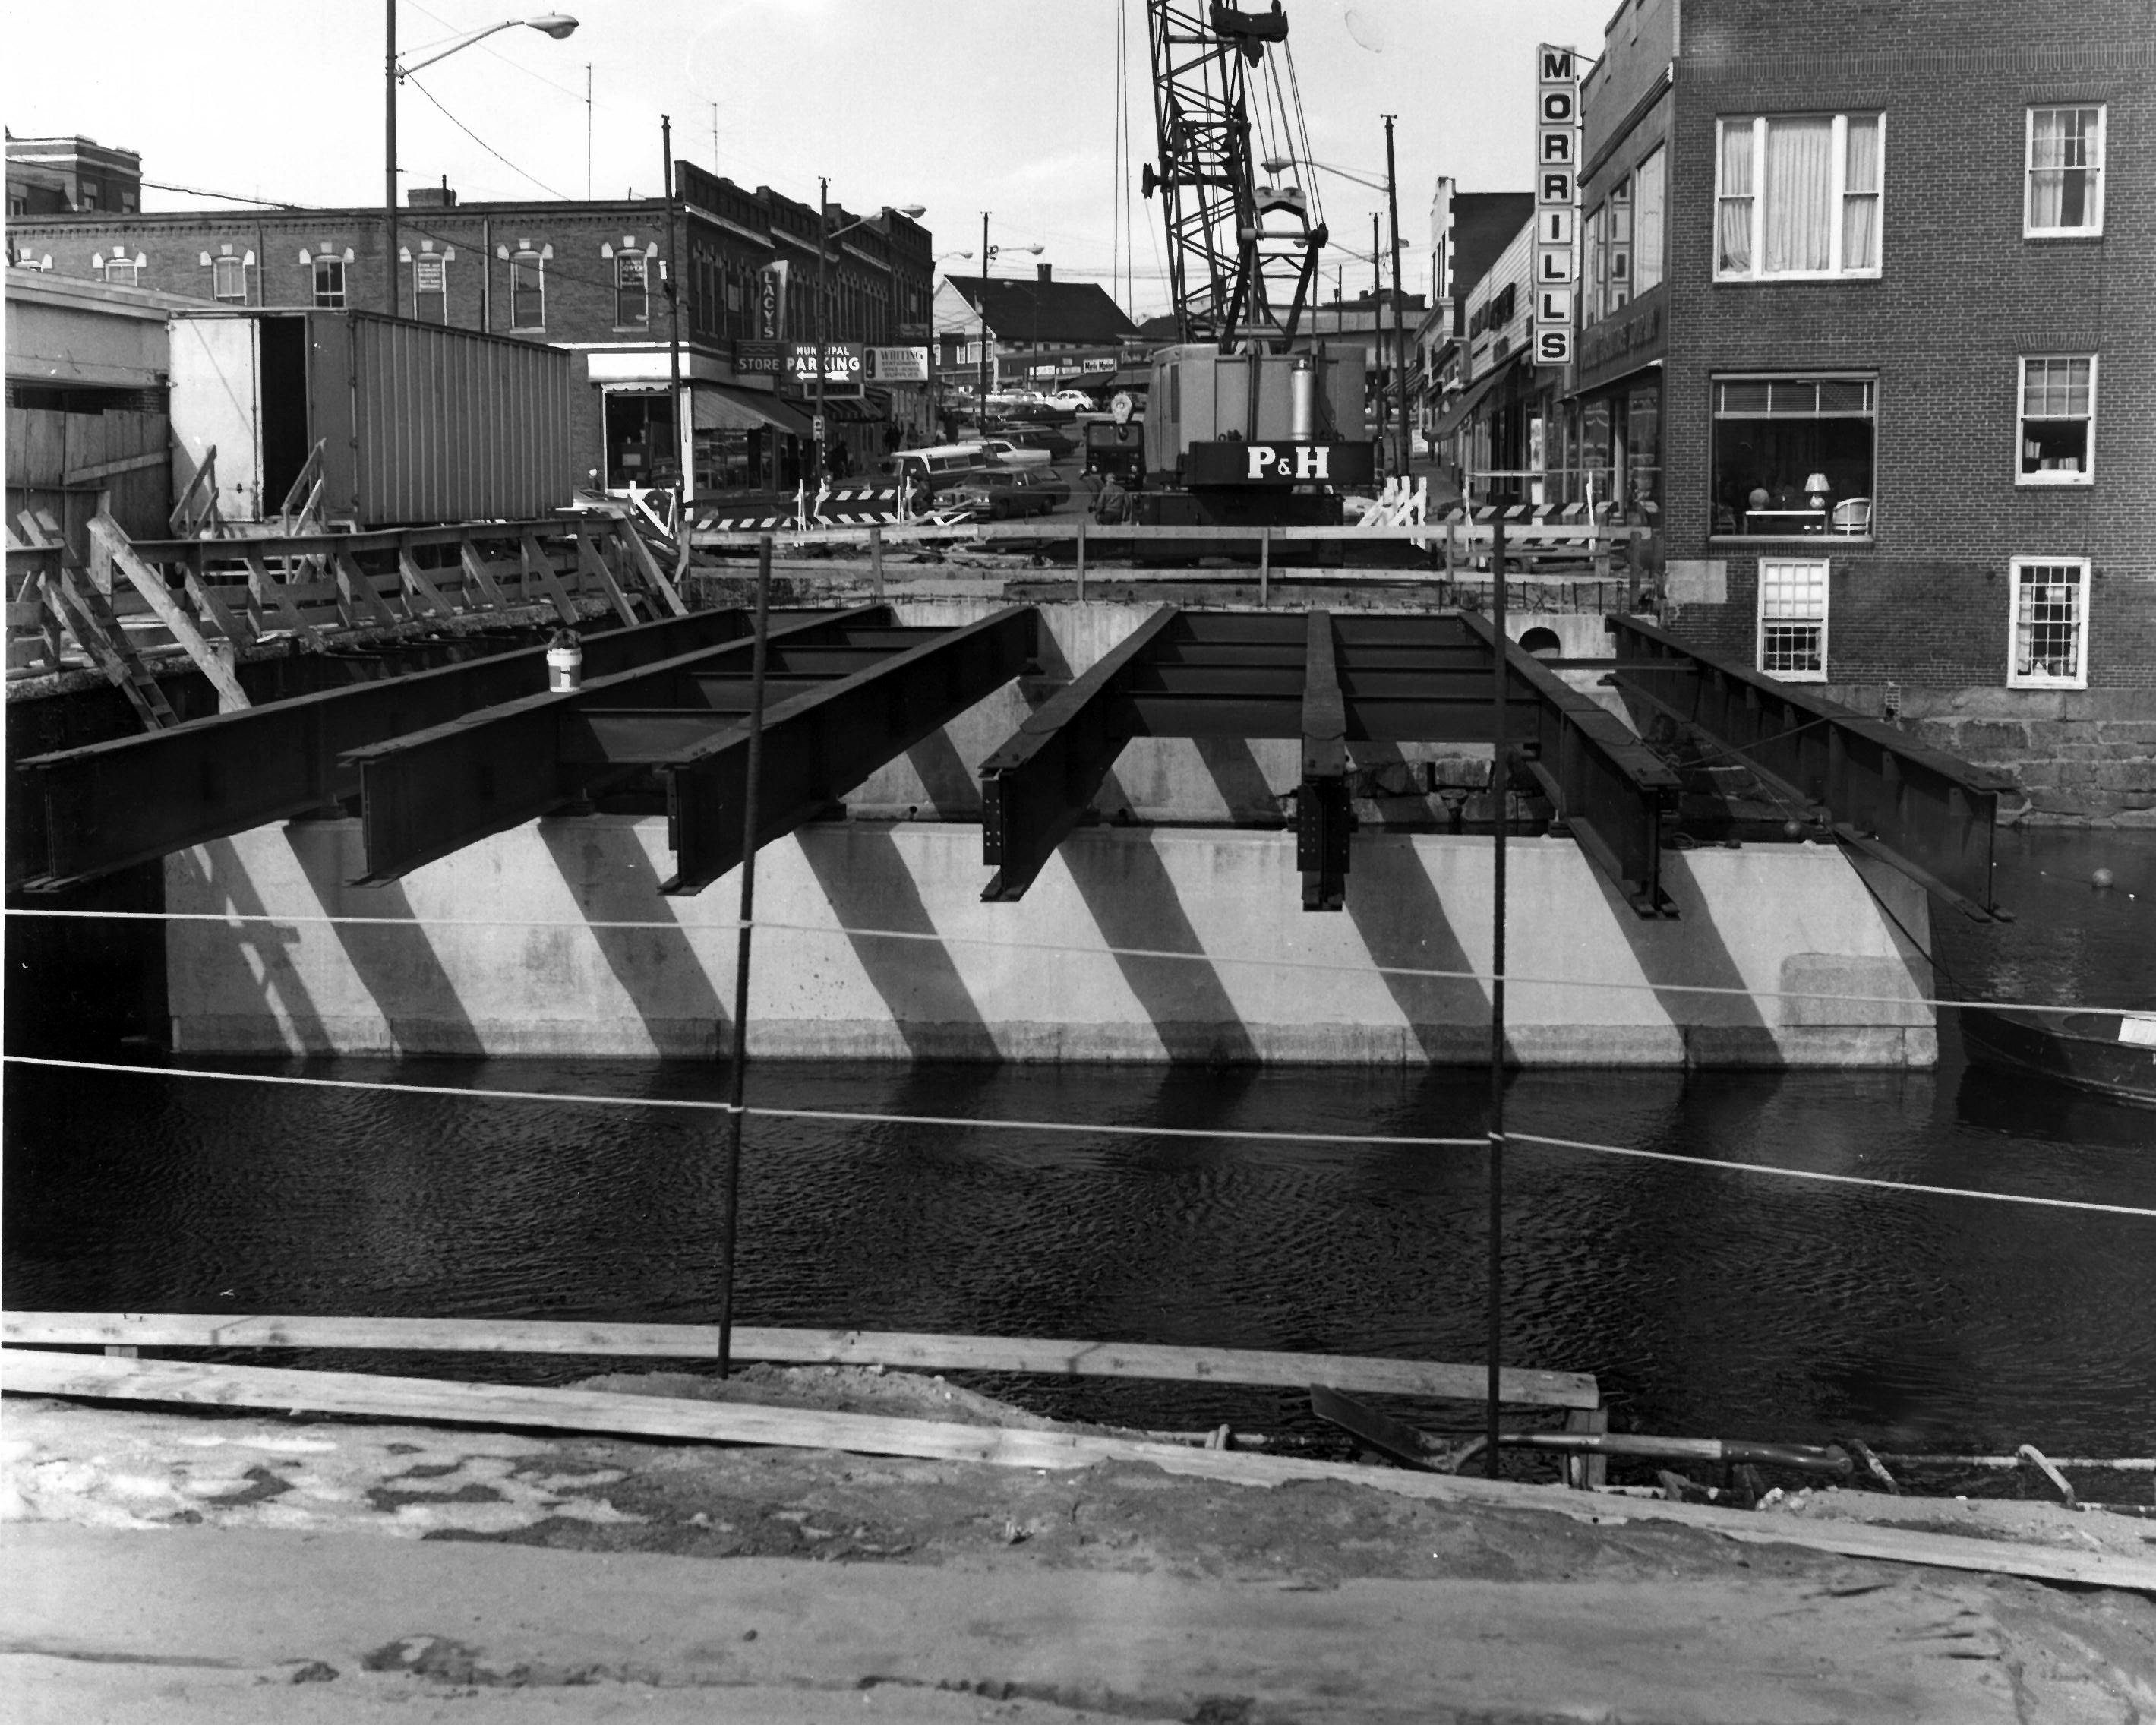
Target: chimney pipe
[(1046, 271)]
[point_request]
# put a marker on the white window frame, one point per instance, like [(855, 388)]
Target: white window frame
[(2086, 474), (2094, 230), (1824, 567), (538, 261), (132, 278), (1840, 195), (216, 264), (342, 291), (2078, 679), (443, 260), (1644, 280), (643, 285)]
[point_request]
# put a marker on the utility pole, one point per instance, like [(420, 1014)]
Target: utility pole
[(681, 437), (587, 131), (1399, 314), (981, 407), (389, 163), (1378, 321), (822, 247)]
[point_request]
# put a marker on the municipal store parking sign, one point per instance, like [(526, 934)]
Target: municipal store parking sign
[(1556, 202)]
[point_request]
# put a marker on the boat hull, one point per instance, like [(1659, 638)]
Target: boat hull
[(2071, 1049)]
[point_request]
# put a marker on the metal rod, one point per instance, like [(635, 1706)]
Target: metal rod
[(1497, 799), (730, 1174), (683, 440), (822, 250), (388, 166), (981, 405), (1405, 441)]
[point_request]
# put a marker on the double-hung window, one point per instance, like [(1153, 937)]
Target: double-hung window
[(2047, 638), (1793, 592), (329, 283), (527, 291), (1651, 183), (2057, 421), (122, 272), (2065, 195), (1798, 197), (632, 299), (228, 280)]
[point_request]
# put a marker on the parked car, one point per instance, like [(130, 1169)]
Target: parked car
[(937, 468), (1008, 452), (1006, 495), (1076, 400)]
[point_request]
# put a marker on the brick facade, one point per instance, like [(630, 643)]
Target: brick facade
[(879, 274), (1961, 296)]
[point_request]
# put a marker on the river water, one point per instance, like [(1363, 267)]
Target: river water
[(1707, 1301)]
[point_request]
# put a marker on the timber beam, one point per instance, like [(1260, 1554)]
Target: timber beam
[(1878, 789), (437, 790), (1036, 787), (108, 805), (819, 744)]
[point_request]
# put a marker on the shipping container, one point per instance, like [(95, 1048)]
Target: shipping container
[(417, 422)]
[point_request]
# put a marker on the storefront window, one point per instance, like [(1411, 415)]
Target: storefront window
[(1643, 457), (1794, 456), (639, 440), (727, 460), (1597, 472)]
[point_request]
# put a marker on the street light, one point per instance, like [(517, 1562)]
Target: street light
[(825, 233), (988, 263), (555, 24)]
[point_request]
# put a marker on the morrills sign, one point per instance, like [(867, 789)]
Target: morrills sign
[(1557, 203), (1281, 463)]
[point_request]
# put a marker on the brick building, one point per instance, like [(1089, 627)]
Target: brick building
[(1892, 332), (592, 277), (1040, 333)]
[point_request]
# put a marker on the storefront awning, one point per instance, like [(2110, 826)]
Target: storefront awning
[(1456, 414), (717, 409)]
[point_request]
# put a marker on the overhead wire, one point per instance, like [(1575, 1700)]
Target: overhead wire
[(413, 81), (1087, 1128), (717, 926)]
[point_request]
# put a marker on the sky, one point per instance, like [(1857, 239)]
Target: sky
[(1010, 106)]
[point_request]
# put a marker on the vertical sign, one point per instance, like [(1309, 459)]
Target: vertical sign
[(771, 302), (1557, 203)]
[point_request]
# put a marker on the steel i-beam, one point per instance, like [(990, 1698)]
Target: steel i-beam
[(1037, 786), (108, 805), (428, 795), (1324, 822), (818, 745)]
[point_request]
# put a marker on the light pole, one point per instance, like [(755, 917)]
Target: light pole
[(987, 262), (825, 233), (555, 24)]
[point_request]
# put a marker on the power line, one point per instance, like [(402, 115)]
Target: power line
[(1090, 1128), (483, 143), (236, 919)]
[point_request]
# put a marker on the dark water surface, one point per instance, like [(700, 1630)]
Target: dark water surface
[(1707, 1301)]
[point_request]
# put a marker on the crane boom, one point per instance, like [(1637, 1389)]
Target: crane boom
[(1242, 250)]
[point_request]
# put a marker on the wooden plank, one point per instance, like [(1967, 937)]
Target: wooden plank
[(108, 470), (277, 597), (640, 554), (104, 533), (359, 593), (1518, 1386), (233, 627), (537, 563), (590, 562), (108, 1378), (476, 573), (1389, 1436), (415, 581)]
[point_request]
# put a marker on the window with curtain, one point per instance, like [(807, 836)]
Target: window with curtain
[(1620, 245), (2065, 171), (1799, 196), (2048, 645), (1598, 259), (1651, 187), (2057, 421)]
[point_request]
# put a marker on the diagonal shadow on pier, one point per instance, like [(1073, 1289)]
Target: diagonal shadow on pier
[(1395, 907), (1134, 904), (397, 966), (225, 881), (868, 885), (613, 879), (954, 793), (1237, 776), (1718, 1030)]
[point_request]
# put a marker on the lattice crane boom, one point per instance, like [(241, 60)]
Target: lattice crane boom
[(1242, 250)]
